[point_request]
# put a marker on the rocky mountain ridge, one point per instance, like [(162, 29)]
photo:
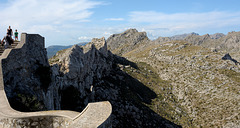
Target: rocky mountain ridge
[(202, 88), (190, 84), (160, 83), (93, 73), (53, 49), (75, 77)]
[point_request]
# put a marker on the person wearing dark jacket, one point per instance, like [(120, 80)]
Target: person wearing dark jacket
[(9, 31), (6, 41)]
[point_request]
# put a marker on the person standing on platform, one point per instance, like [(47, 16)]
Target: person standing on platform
[(9, 32), (16, 35)]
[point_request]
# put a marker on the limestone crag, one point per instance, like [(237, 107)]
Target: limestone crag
[(99, 44), (228, 43), (198, 40), (91, 73), (79, 67), (119, 42)]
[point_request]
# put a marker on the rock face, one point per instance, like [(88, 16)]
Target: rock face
[(77, 68), (230, 42), (27, 75), (91, 73)]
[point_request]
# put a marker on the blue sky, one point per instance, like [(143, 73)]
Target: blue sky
[(65, 22)]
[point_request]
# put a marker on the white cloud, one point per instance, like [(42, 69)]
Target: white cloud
[(58, 21), (84, 38), (179, 23), (45, 16), (115, 19), (158, 17)]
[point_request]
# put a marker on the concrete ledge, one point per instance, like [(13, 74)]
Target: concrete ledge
[(94, 115)]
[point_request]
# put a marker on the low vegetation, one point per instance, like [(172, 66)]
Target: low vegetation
[(165, 104)]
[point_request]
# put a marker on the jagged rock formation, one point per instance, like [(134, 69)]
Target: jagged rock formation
[(194, 86), (182, 36), (217, 35), (76, 76), (228, 43), (78, 68), (198, 40), (37, 72), (131, 38), (93, 74)]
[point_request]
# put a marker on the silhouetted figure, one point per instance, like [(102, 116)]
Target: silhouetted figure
[(16, 35), (6, 41), (9, 32)]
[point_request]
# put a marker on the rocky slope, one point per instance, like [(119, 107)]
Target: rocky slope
[(161, 83), (92, 73), (75, 77), (228, 43), (196, 85)]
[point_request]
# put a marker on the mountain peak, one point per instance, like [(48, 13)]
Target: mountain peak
[(182, 36), (217, 35), (131, 30), (126, 41)]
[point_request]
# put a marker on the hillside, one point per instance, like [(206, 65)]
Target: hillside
[(187, 80), (91, 73), (193, 84)]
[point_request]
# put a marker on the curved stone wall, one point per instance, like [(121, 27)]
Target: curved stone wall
[(94, 115)]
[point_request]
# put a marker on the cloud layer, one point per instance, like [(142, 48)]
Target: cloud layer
[(43, 16), (157, 22)]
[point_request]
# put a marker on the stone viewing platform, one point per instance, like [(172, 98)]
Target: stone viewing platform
[(15, 43), (94, 115)]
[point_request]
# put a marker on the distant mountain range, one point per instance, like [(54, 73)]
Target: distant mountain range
[(52, 50), (183, 36)]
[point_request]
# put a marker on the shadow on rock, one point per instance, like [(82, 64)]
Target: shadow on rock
[(129, 98), (123, 61), (228, 57)]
